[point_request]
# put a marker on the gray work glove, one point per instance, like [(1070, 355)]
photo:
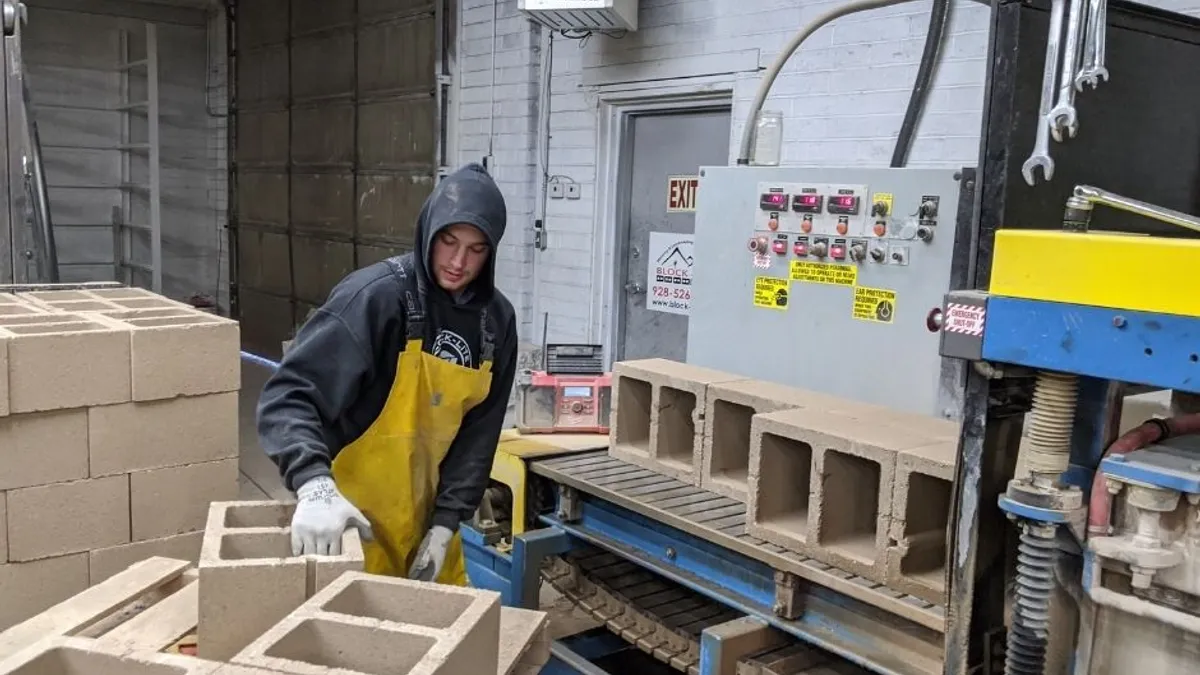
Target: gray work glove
[(322, 516), (431, 557)]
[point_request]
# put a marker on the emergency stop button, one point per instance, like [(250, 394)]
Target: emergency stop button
[(837, 251), (779, 246)]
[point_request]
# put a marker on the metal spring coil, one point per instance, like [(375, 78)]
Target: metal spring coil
[(1029, 634)]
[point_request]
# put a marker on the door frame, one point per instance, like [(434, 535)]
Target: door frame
[(615, 152)]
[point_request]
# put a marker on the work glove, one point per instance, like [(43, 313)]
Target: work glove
[(322, 516), (431, 556)]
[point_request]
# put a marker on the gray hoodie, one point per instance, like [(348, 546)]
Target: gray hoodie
[(336, 376)]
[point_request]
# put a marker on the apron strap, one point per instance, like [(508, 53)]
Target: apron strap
[(414, 302), (487, 339)]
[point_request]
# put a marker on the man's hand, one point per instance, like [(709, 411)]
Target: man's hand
[(322, 515), (432, 554)]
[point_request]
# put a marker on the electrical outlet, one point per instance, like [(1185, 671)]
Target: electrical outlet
[(573, 191), (556, 190)]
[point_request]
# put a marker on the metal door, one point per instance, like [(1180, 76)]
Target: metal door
[(665, 153)]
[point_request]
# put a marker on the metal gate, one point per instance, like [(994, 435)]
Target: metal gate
[(337, 139)]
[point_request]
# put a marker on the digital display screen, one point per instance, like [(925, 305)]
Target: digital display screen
[(842, 201), (807, 203), (773, 201), (808, 200), (579, 392), (843, 204)]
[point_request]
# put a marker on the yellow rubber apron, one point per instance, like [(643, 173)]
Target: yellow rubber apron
[(391, 472)]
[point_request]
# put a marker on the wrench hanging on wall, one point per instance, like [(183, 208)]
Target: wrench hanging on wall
[(1071, 63)]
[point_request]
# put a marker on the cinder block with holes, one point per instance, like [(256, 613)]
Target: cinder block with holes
[(249, 578), (66, 361), (524, 641), (921, 507), (848, 463), (729, 407), (184, 353), (371, 624), (658, 415)]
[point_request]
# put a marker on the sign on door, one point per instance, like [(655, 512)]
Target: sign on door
[(670, 273), (681, 193)]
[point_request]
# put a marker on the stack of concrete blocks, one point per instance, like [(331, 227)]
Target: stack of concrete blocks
[(250, 580), (821, 475), (369, 624), (118, 426)]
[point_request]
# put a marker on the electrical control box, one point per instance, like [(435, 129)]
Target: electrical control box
[(830, 279)]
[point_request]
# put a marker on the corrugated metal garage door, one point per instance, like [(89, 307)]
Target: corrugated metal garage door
[(336, 143)]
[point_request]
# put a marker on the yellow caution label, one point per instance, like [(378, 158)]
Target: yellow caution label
[(884, 198), (771, 292), (824, 273), (874, 304)]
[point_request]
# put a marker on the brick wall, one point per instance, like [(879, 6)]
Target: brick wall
[(843, 97)]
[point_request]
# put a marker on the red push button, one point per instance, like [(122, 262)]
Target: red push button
[(779, 246), (837, 252), (806, 224), (800, 248)]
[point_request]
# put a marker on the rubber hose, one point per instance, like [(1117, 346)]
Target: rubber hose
[(939, 19)]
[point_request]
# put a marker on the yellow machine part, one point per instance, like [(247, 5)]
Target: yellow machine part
[(514, 449), (1121, 271)]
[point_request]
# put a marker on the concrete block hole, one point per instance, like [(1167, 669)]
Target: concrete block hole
[(633, 413), (676, 425), (72, 661), (359, 649), (850, 505), (259, 515), (437, 607), (926, 516), (785, 472), (731, 442), (256, 545)]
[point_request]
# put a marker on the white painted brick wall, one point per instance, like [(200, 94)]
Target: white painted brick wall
[(843, 97)]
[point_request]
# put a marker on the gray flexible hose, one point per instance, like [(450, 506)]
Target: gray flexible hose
[(768, 79)]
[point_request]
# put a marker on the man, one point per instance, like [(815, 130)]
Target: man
[(385, 413)]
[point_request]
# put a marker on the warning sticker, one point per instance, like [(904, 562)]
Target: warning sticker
[(824, 273), (964, 319), (771, 292), (874, 304)]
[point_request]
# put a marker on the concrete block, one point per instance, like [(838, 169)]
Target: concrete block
[(725, 458), (31, 587), (42, 448), (921, 507), (365, 623), (187, 355), (137, 436), (249, 579), (106, 562), (70, 364), (658, 415), (62, 518), (845, 518), (3, 528), (21, 309), (5, 338), (79, 656), (175, 500), (524, 639)]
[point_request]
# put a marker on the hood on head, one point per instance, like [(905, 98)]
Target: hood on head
[(469, 195)]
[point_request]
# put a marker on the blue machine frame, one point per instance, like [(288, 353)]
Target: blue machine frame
[(725, 576)]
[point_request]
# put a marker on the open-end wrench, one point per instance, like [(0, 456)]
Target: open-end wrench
[(1041, 148), (1063, 115), (1093, 70)]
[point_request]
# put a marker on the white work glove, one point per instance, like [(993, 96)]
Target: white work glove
[(322, 516), (431, 556)]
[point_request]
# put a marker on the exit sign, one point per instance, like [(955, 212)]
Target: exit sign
[(681, 193)]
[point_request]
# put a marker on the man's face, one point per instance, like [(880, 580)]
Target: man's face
[(459, 253)]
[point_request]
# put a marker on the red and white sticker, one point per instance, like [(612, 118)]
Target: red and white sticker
[(762, 261), (964, 319)]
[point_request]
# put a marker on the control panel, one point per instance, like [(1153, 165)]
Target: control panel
[(828, 279), (839, 222)]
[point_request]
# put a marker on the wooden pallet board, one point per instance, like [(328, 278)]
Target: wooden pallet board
[(721, 521)]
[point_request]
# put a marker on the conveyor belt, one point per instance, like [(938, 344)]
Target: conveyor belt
[(721, 521), (665, 619)]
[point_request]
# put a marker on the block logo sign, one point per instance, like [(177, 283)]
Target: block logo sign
[(670, 273)]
